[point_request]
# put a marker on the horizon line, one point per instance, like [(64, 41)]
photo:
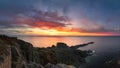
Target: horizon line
[(63, 35)]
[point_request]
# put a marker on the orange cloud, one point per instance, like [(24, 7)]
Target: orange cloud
[(53, 24), (48, 25)]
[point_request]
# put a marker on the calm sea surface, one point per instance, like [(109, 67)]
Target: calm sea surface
[(106, 48)]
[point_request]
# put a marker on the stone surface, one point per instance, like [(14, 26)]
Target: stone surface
[(24, 55)]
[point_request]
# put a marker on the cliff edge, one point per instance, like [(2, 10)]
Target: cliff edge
[(21, 54)]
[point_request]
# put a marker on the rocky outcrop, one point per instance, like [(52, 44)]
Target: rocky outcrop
[(5, 57), (21, 52), (65, 66), (81, 45), (23, 55), (61, 53), (59, 65)]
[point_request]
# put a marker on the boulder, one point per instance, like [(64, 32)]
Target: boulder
[(65, 66), (61, 45), (49, 65)]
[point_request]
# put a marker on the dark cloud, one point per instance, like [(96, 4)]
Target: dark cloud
[(15, 31), (42, 19), (99, 15)]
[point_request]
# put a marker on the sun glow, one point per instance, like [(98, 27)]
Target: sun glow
[(55, 32)]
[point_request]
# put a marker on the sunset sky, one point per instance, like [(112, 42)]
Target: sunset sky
[(60, 17)]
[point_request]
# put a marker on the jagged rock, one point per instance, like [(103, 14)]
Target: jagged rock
[(53, 46), (23, 53), (49, 65), (61, 45), (65, 66), (59, 65), (81, 45), (61, 54), (35, 65), (15, 54), (26, 49), (19, 53), (1, 59)]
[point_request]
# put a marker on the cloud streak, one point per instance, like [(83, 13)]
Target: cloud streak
[(42, 19), (80, 16)]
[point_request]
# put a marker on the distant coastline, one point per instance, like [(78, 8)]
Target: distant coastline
[(58, 36)]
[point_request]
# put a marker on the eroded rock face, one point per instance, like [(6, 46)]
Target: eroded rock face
[(34, 65), (24, 55), (65, 66), (49, 65), (21, 52), (61, 53), (5, 57), (26, 50), (59, 65)]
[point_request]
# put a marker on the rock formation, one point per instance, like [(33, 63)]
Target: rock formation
[(22, 54), (61, 53)]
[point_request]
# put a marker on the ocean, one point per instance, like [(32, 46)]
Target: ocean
[(106, 48)]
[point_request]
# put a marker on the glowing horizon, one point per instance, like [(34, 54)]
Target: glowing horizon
[(54, 32), (58, 18)]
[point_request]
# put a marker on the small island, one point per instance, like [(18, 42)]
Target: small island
[(16, 53)]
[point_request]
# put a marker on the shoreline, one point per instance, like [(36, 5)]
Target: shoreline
[(25, 51)]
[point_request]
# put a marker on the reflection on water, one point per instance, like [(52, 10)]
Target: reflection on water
[(106, 48), (101, 43), (49, 41)]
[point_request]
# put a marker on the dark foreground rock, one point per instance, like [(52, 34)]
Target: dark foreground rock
[(22, 54), (61, 53)]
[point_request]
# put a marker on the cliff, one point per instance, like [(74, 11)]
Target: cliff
[(21, 54), (61, 53)]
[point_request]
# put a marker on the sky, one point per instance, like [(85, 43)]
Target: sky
[(60, 17)]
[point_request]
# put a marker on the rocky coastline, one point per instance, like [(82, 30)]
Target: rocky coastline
[(24, 55)]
